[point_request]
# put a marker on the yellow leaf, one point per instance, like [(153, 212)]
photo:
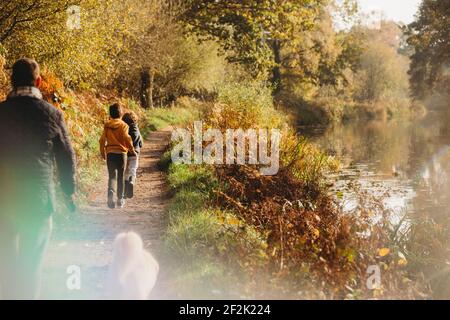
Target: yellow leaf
[(402, 262), (316, 233), (383, 252), (233, 221)]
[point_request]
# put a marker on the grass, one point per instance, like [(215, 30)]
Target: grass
[(184, 112), (207, 247)]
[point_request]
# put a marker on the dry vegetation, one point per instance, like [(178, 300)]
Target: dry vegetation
[(288, 231)]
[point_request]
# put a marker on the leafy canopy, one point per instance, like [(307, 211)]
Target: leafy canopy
[(429, 36), (247, 29)]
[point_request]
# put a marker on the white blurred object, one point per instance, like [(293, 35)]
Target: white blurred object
[(133, 271), (426, 176)]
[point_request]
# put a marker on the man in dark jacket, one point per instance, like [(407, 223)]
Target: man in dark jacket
[(33, 138)]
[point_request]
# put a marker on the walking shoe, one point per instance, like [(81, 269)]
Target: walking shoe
[(121, 203), (127, 190), (111, 203), (130, 193)]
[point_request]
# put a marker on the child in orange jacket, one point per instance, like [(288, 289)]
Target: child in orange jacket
[(115, 144)]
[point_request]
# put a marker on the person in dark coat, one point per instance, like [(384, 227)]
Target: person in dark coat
[(131, 119), (33, 143)]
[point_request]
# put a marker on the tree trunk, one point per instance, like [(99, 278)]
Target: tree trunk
[(150, 89), (146, 91), (276, 71)]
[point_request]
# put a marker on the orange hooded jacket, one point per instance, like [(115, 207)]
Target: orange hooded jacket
[(115, 138)]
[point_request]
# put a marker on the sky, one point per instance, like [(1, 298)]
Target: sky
[(397, 10)]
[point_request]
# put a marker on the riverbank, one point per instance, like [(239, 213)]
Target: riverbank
[(335, 110), (237, 234)]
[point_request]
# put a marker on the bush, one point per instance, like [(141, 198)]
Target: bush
[(304, 160), (316, 111), (243, 106), (329, 110), (250, 105)]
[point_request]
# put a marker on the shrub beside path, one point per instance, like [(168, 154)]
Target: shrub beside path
[(85, 241)]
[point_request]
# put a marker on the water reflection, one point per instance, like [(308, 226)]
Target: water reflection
[(404, 162), (433, 191)]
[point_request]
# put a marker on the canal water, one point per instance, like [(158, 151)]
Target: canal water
[(406, 164)]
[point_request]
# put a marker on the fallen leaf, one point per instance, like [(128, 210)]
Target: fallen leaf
[(383, 252), (316, 233), (402, 262), (233, 221)]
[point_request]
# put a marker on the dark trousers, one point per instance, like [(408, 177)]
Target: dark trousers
[(22, 248), (117, 164)]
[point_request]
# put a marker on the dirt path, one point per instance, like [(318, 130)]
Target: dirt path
[(87, 241)]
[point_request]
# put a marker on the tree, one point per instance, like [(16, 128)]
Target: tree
[(382, 73), (16, 15), (429, 36), (158, 62), (319, 59), (134, 46), (253, 32), (148, 46), (81, 57)]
